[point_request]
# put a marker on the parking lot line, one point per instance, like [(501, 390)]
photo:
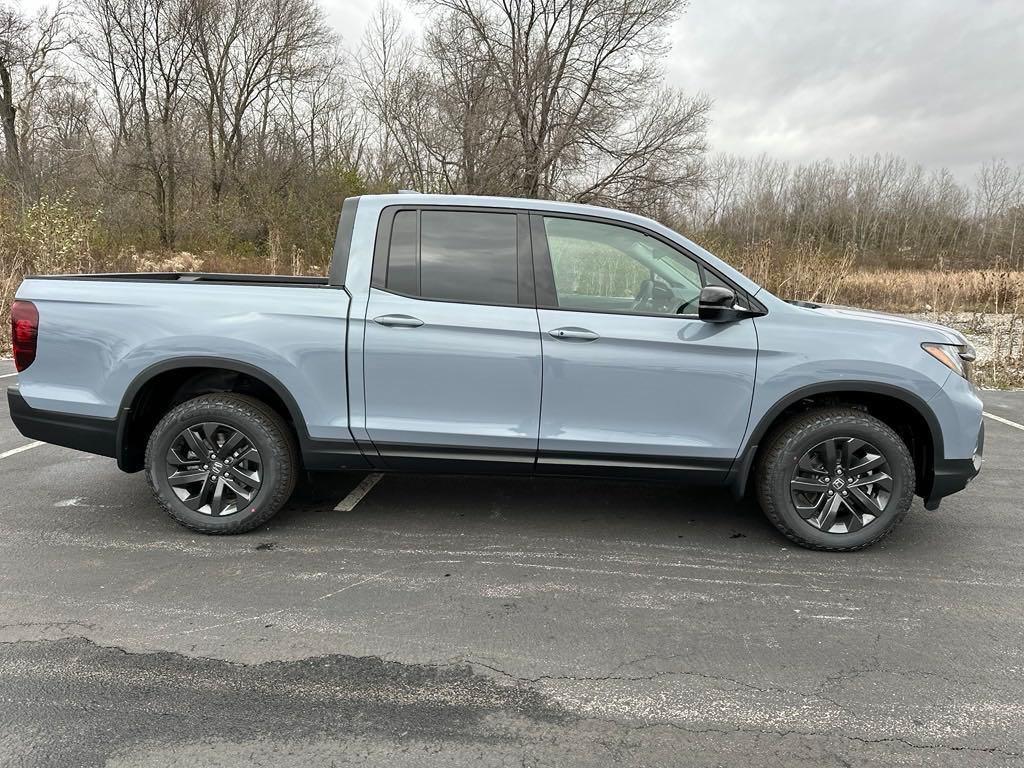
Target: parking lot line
[(13, 451), (1001, 420), (356, 494)]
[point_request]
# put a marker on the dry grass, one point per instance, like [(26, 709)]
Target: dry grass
[(805, 273), (976, 290)]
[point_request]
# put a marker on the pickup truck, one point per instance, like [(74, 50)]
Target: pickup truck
[(474, 334)]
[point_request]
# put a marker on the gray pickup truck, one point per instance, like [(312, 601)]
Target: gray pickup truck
[(471, 334)]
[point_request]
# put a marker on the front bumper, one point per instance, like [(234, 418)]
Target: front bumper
[(82, 433), (950, 476)]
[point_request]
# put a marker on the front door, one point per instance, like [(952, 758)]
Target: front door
[(632, 377), (452, 348)]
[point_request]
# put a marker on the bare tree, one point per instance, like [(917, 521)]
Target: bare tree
[(28, 47), (541, 98), (13, 31), (473, 130), (141, 52), (397, 92), (879, 208), (999, 200), (574, 74), (655, 161), (245, 50)]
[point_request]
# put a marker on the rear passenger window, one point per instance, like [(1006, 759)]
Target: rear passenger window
[(464, 256)]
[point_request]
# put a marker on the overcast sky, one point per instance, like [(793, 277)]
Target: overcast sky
[(940, 82)]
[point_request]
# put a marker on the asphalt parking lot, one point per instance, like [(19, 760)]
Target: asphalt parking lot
[(489, 621)]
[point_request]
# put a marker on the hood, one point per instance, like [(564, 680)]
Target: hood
[(929, 331)]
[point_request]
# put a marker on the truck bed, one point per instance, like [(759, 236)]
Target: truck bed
[(100, 333)]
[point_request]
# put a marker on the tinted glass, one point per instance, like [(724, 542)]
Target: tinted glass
[(606, 268), (403, 271), (468, 256)]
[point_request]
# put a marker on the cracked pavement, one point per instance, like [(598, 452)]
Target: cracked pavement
[(502, 622)]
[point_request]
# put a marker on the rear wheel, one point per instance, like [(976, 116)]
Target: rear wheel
[(221, 463), (836, 479)]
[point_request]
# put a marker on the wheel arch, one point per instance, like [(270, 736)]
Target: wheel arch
[(902, 409), (170, 376)]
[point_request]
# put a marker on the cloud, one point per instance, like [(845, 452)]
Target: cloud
[(937, 81)]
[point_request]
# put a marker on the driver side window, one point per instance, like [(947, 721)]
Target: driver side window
[(606, 268)]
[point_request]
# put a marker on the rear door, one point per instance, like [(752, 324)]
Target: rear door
[(452, 347), (632, 377)]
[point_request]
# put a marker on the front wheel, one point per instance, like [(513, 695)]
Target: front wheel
[(221, 463), (836, 479)]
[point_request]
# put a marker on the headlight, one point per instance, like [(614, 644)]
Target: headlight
[(957, 357)]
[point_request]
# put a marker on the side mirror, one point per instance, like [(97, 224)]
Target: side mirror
[(717, 304)]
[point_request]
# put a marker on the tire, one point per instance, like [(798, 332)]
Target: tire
[(211, 422), (797, 455)]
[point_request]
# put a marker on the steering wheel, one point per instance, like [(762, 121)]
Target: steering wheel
[(684, 308), (644, 296)]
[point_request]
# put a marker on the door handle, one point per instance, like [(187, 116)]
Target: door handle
[(573, 334), (398, 321)]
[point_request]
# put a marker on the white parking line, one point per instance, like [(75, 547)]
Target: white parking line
[(356, 494), (13, 451), (1001, 420), (8, 375)]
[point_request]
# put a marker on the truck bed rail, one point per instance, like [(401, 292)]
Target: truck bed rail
[(222, 278)]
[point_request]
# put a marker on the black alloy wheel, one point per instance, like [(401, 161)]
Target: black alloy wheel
[(841, 485), (214, 469)]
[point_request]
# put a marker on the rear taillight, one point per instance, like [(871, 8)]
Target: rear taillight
[(24, 333)]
